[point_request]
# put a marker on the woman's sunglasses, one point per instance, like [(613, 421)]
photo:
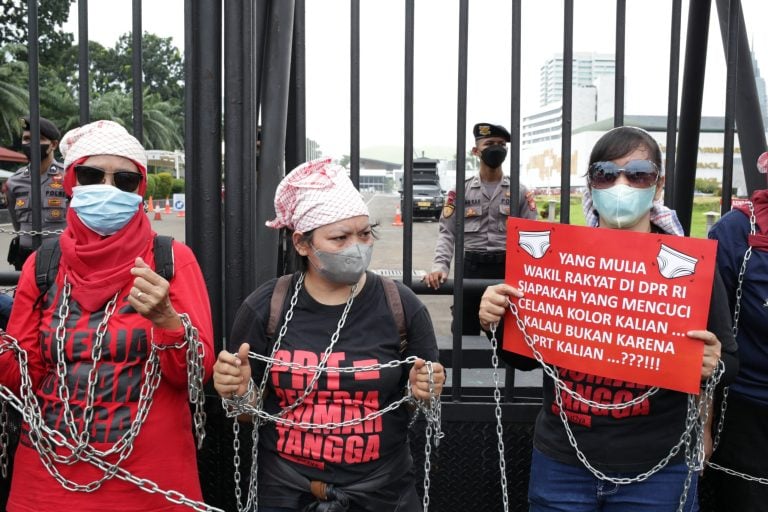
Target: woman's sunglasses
[(639, 174), (126, 181)]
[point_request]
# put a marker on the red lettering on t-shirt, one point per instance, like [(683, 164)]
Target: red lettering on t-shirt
[(366, 375)]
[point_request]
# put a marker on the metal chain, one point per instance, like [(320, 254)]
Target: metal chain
[(743, 270), (694, 419), (4, 438), (251, 403), (61, 369), (499, 426), (45, 440), (553, 373), (44, 232), (736, 315)]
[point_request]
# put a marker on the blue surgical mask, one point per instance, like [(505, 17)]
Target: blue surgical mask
[(103, 208), (345, 266), (622, 206)]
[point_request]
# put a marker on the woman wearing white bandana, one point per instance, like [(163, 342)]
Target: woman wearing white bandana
[(336, 315), (103, 362)]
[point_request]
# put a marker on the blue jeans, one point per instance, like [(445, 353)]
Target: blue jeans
[(558, 487)]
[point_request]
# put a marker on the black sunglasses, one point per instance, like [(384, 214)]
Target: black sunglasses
[(127, 181), (639, 173)]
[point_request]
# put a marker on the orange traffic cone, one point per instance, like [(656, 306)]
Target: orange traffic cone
[(157, 215), (167, 206), (180, 214), (151, 205), (398, 219)]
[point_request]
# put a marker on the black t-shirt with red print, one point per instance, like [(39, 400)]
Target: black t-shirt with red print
[(369, 336)]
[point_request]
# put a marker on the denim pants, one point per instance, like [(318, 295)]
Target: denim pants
[(558, 487)]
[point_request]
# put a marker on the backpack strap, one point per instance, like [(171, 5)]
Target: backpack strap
[(279, 293), (164, 256), (49, 254), (46, 266), (396, 307)]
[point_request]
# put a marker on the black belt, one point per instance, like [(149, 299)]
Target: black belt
[(486, 257)]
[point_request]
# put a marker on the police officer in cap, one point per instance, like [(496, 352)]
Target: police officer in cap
[(486, 208), (19, 192)]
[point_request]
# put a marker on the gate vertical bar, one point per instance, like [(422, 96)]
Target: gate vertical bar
[(33, 61), (461, 155), (674, 85), (202, 63), (296, 142), (239, 158), (567, 115), (514, 157), (84, 88), (354, 91), (407, 196), (621, 31), (138, 86), (732, 59), (749, 118), (274, 101), (690, 109)]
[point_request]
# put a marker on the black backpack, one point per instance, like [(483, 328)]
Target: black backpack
[(49, 253)]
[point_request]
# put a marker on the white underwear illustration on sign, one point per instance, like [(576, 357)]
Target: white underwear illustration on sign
[(534, 243)]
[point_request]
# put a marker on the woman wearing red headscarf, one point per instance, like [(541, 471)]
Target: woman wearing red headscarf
[(738, 470), (106, 347)]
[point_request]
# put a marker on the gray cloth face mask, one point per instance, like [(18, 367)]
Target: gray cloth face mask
[(345, 266)]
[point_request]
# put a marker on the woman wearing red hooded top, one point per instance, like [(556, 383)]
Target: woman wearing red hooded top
[(106, 347)]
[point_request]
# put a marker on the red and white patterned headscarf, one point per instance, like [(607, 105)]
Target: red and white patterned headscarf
[(762, 163), (314, 194)]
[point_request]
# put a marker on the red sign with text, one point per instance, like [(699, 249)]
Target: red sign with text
[(609, 302)]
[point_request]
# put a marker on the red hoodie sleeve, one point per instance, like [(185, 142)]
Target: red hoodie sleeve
[(24, 325), (188, 295)]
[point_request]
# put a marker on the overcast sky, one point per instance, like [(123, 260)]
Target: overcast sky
[(436, 59)]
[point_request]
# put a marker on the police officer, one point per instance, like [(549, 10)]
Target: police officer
[(19, 192), (486, 208)]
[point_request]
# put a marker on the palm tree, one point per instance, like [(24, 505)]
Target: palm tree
[(14, 100)]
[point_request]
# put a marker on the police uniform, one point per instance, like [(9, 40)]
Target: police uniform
[(485, 231), (53, 203)]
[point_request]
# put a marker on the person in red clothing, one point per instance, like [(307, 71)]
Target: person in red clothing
[(107, 345)]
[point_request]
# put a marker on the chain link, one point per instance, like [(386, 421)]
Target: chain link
[(44, 232), (499, 425), (4, 438), (692, 437), (251, 403), (47, 441)]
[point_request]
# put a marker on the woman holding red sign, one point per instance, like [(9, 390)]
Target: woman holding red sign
[(627, 449), (742, 257)]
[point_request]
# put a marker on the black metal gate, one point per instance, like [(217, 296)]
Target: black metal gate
[(256, 49)]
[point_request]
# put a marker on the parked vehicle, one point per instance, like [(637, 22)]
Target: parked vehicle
[(428, 197)]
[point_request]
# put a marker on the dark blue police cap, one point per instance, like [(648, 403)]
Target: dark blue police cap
[(483, 130), (47, 128)]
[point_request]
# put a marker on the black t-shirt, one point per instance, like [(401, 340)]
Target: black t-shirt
[(631, 439), (369, 336)]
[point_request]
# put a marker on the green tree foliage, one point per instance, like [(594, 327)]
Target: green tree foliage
[(164, 184), (163, 67), (51, 15), (706, 185), (151, 186), (110, 78), (178, 186)]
